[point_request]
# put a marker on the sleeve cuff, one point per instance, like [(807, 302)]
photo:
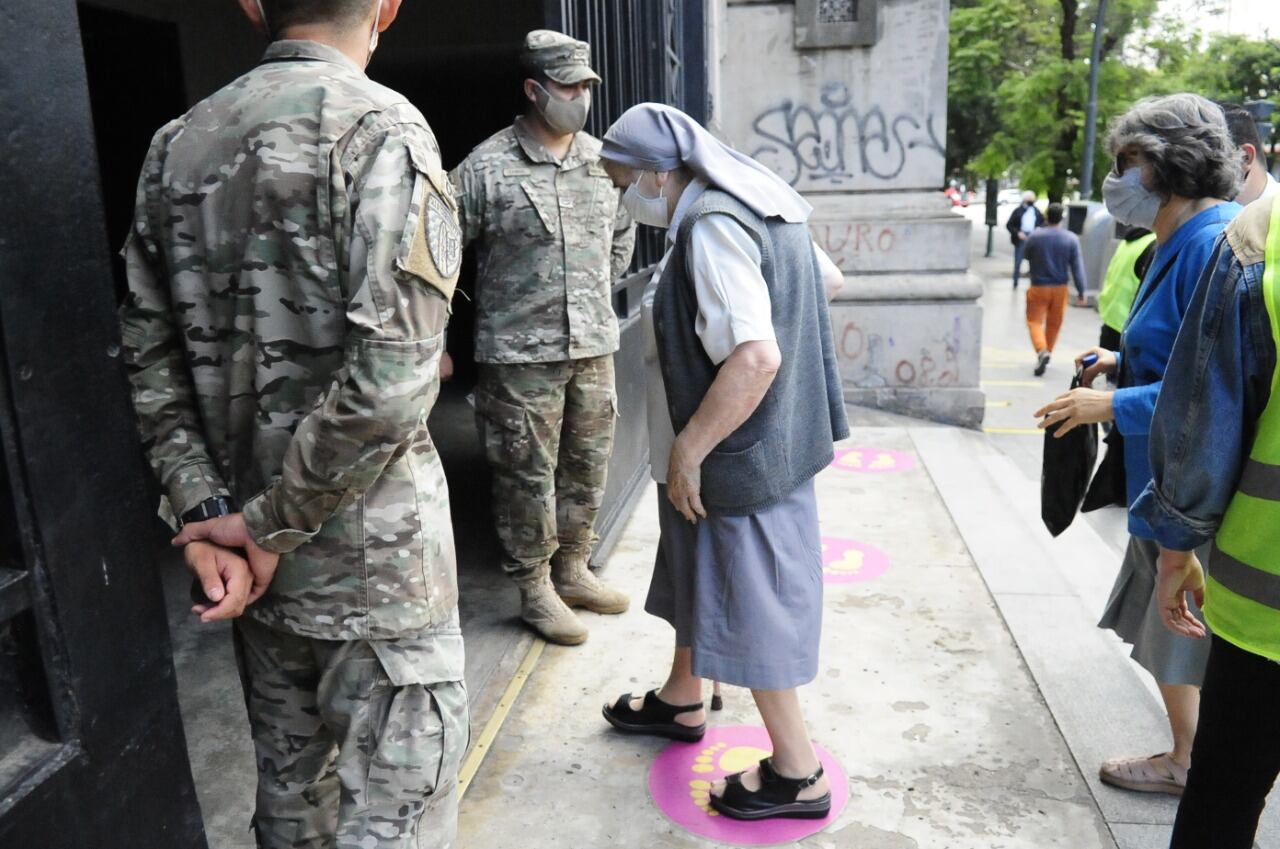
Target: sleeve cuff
[(1129, 419), (267, 531), (1171, 529), (194, 483)]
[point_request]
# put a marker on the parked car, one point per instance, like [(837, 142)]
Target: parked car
[(1009, 197)]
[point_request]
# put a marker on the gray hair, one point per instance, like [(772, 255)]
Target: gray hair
[(1186, 140)]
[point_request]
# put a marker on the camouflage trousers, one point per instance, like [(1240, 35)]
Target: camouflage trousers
[(358, 743), (547, 430)]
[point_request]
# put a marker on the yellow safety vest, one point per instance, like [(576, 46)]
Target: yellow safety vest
[(1120, 286), (1242, 593)]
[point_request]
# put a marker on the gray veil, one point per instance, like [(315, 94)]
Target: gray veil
[(656, 137)]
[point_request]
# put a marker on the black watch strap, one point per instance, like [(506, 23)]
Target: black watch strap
[(210, 508)]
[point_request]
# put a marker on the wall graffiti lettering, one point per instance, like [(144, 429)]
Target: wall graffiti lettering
[(865, 357), (838, 142), (844, 243)]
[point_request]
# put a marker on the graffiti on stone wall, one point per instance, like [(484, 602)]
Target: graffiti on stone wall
[(837, 142), (849, 241), (874, 360)]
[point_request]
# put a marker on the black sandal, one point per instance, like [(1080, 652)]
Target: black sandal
[(777, 797), (655, 717)]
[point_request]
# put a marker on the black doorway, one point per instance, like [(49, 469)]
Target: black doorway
[(134, 68)]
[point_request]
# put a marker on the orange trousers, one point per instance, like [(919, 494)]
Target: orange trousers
[(1045, 307)]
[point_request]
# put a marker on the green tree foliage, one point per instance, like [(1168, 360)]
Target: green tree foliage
[(1223, 67), (990, 41), (1019, 80)]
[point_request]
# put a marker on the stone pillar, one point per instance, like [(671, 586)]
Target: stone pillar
[(860, 128)]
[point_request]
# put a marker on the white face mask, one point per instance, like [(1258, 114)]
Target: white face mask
[(1130, 202), (262, 13), (373, 37), (646, 210)]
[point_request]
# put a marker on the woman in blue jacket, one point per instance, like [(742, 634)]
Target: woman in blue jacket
[(1175, 168)]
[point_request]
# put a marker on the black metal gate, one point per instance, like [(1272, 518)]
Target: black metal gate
[(646, 50), (92, 751)]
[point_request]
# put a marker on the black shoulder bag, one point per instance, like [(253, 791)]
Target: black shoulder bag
[(1065, 471)]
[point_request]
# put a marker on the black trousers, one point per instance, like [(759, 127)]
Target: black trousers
[(1236, 754)]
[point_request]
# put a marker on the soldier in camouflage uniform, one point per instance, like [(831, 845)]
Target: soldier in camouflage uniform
[(552, 238), (292, 259)]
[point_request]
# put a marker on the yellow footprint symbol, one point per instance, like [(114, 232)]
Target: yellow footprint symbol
[(850, 564), (852, 460), (883, 461), (730, 760)]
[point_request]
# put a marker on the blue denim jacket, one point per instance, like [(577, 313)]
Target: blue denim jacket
[(1158, 312), (1217, 384)]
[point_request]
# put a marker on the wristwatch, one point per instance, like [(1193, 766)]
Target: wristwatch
[(210, 508)]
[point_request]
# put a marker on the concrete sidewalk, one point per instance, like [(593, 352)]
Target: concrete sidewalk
[(966, 690), (922, 696), (1052, 592)]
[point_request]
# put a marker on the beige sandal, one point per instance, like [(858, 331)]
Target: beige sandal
[(1156, 774)]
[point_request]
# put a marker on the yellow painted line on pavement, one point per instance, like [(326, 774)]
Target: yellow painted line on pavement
[(1015, 431), (994, 404), (490, 733)]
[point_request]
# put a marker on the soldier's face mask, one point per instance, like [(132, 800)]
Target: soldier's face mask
[(262, 13), (646, 210), (563, 116), (373, 36)]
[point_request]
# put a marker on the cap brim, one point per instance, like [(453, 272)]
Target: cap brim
[(573, 74)]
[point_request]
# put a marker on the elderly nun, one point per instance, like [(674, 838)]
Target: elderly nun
[(744, 407)]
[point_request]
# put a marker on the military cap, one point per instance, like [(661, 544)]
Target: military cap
[(565, 60)]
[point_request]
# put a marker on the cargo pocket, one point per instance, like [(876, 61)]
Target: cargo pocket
[(418, 746), (504, 430)]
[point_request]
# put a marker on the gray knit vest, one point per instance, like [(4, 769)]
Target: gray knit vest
[(788, 439)]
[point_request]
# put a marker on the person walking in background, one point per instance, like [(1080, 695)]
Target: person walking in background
[(1258, 182), (1215, 462), (1022, 222), (1128, 266), (551, 239), (1175, 166), (1053, 252)]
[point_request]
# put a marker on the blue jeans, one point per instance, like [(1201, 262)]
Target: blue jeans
[(1018, 250)]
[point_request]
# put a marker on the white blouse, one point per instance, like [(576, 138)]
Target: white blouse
[(733, 307)]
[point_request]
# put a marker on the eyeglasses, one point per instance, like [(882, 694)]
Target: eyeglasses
[(1123, 160)]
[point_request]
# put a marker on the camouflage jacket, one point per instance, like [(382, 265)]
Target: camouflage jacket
[(552, 239), (293, 252)]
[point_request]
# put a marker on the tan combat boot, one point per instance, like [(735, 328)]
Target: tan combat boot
[(545, 613), (579, 587)]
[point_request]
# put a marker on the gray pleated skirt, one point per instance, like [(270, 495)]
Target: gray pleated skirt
[(1134, 614), (744, 592)]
